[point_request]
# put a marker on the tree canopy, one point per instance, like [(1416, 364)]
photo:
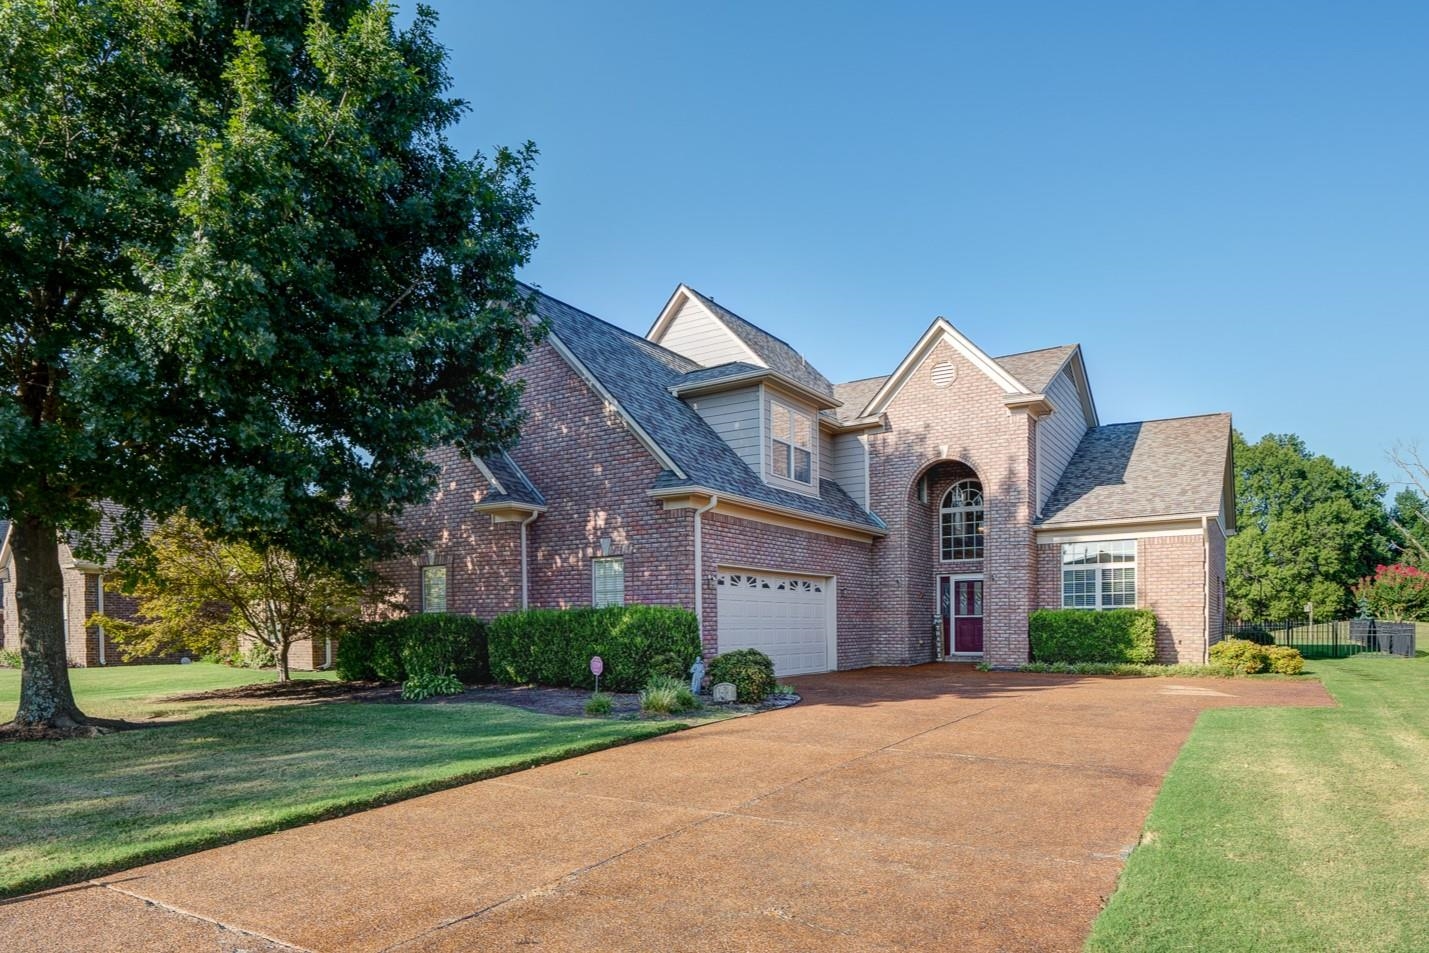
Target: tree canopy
[(1309, 530), (245, 277)]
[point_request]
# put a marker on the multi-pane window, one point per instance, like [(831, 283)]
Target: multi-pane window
[(434, 589), (1099, 575), (791, 445), (608, 577), (962, 521)]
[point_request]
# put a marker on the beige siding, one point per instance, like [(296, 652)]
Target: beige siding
[(849, 466), (1058, 434), (701, 337), (734, 415)]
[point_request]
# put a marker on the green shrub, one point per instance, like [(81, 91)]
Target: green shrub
[(599, 704), (429, 643), (259, 655), (668, 663), (1239, 657), (785, 690), (1082, 635), (554, 646), (1134, 669), (429, 684), (685, 699), (750, 671), (9, 658), (1258, 634), (658, 699), (1285, 660)]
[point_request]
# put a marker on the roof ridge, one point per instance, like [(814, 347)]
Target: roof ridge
[(736, 315), (1037, 350), (1165, 420), (860, 380), (610, 324)]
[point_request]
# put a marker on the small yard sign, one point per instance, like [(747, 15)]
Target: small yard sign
[(597, 665)]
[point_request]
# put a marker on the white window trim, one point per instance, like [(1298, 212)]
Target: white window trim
[(812, 448), (1099, 569), (595, 585), (446, 590), (981, 508)]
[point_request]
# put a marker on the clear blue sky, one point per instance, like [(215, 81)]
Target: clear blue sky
[(1226, 204)]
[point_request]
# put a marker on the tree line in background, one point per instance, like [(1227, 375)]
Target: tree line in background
[(1314, 532)]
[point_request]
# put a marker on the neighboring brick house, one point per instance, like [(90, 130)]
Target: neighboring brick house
[(886, 521), (89, 588)]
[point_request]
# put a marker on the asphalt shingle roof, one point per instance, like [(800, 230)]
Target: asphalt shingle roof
[(718, 372), (1145, 469), (856, 395), (639, 374), (1035, 369), (771, 350), (517, 487)]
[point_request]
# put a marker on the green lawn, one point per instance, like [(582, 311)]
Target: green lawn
[(78, 808), (1291, 829)]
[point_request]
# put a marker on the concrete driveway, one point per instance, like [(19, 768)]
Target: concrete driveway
[(932, 807)]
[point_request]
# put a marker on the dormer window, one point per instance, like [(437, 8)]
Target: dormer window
[(791, 445)]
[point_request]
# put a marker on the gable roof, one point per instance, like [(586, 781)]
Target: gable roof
[(1150, 469), (638, 375), (509, 481), (774, 352), (942, 330)]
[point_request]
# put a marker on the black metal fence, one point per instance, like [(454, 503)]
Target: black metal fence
[(1334, 639)]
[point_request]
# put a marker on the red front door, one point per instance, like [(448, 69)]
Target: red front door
[(967, 616)]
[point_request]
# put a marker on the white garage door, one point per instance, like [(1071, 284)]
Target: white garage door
[(786, 617)]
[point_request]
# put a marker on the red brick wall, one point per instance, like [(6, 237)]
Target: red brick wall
[(1170, 581), (595, 475), (970, 419), (732, 541)]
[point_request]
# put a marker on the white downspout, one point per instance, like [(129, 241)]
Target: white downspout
[(525, 585), (700, 562), (1206, 596), (99, 607)]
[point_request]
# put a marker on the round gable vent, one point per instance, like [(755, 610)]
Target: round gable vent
[(944, 374)]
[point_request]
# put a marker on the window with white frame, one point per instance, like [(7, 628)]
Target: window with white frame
[(434, 589), (791, 443), (1099, 575), (608, 581), (961, 513)]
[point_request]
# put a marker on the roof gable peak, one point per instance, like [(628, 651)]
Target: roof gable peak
[(942, 330)]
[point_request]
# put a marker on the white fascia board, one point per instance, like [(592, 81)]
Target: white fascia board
[(942, 330), (645, 439)]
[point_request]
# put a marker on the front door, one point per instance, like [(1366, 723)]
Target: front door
[(967, 616), (960, 611)]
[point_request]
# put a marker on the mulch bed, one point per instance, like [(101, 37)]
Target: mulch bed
[(96, 727)]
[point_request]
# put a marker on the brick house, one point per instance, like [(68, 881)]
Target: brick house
[(89, 588), (892, 520)]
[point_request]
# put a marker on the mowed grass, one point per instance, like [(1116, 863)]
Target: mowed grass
[(76, 809), (1291, 829)]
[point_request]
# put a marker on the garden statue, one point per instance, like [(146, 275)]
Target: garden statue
[(697, 675)]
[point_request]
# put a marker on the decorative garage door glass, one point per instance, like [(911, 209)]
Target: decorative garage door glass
[(788, 618)]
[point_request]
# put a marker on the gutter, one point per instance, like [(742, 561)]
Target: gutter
[(699, 562), (525, 585), (695, 490)]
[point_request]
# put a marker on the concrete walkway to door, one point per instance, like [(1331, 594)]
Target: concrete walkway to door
[(924, 808)]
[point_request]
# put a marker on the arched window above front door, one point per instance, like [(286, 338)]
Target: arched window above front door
[(961, 517)]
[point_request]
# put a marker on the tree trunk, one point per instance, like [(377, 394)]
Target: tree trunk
[(283, 646), (46, 699)]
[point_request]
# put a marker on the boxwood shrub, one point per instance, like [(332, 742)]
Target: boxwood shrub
[(425, 644), (1081, 635), (554, 646), (750, 671)]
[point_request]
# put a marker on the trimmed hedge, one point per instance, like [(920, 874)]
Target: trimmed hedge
[(554, 646), (424, 644), (1081, 635)]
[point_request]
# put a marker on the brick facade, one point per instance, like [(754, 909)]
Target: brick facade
[(596, 476)]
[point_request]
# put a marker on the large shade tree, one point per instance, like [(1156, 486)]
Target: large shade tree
[(245, 276), (1308, 530)]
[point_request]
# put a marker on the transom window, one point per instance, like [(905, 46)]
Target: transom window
[(962, 521), (791, 445), (434, 589), (1099, 575), (608, 580)]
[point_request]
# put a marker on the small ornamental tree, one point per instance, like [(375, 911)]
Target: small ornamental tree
[(1396, 593), (198, 593), (246, 278)]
